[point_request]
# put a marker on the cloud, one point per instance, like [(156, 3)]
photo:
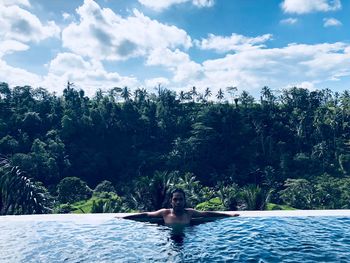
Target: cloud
[(154, 82), (235, 42), (16, 2), (289, 21), (309, 6), (87, 74), (17, 77), (102, 34), (66, 16), (160, 5), (10, 46), (278, 67), (178, 62), (21, 25), (331, 22)]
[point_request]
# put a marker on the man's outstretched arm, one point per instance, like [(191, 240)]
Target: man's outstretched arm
[(196, 213), (154, 214)]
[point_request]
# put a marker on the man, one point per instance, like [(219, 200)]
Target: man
[(178, 214)]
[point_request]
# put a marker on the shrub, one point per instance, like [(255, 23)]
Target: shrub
[(214, 204), (72, 189), (104, 186)]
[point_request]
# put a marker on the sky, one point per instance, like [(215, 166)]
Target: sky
[(177, 44)]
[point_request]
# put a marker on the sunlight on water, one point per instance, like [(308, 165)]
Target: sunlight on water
[(274, 239)]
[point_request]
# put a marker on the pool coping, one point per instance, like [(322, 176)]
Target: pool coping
[(108, 216)]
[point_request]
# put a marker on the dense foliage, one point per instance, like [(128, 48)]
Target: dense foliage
[(292, 148)]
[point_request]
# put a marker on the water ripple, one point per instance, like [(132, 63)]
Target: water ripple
[(293, 239)]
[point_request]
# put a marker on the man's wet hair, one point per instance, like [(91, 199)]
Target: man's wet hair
[(177, 190)]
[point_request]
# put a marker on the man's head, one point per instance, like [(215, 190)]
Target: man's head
[(178, 199)]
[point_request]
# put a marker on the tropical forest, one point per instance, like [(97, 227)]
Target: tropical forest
[(125, 150)]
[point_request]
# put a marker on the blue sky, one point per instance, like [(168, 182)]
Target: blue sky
[(176, 43)]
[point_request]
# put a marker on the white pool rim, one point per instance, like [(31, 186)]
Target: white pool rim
[(117, 216)]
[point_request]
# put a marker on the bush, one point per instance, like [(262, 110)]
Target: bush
[(64, 209), (255, 197), (104, 186), (214, 204), (72, 189)]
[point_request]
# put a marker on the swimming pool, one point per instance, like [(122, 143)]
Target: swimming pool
[(253, 237)]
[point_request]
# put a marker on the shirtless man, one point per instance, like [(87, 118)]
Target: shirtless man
[(178, 214)]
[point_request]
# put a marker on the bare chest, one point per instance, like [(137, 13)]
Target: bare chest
[(176, 219)]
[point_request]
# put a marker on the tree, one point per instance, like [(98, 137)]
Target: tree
[(104, 186), (72, 189), (19, 194), (125, 94), (220, 95), (298, 193), (207, 93), (232, 91), (255, 197)]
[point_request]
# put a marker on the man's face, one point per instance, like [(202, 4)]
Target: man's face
[(178, 201)]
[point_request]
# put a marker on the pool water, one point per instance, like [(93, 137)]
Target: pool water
[(239, 239)]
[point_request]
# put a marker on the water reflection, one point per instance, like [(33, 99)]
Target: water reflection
[(177, 236)]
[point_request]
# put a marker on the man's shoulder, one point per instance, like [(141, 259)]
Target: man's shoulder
[(189, 210), (165, 210)]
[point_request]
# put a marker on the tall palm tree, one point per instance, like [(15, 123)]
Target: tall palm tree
[(140, 95), (182, 96), (114, 93), (193, 93), (125, 93), (220, 95), (207, 93)]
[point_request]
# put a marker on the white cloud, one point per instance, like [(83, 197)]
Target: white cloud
[(331, 22), (17, 77), (104, 35), (178, 62), (289, 21), (308, 6), (10, 46), (87, 74), (203, 3), (16, 2), (295, 64), (21, 25), (160, 5), (154, 82), (66, 16), (235, 42)]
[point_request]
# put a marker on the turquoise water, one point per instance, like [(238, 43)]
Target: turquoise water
[(272, 239)]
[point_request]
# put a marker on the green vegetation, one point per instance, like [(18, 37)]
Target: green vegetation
[(271, 206), (214, 204), (289, 149)]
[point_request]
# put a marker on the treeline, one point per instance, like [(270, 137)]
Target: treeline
[(284, 140)]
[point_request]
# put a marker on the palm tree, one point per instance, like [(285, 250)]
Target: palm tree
[(114, 93), (140, 95), (229, 196), (193, 93), (207, 93), (151, 193), (182, 96), (19, 194), (125, 93), (255, 198), (220, 95)]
